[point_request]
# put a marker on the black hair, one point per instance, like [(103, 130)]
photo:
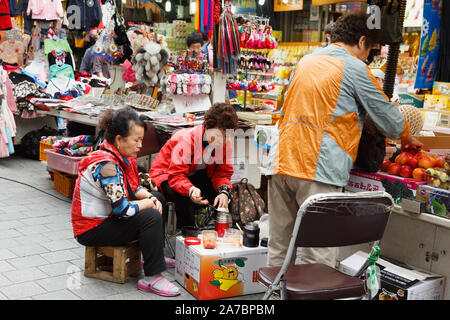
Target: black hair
[(351, 26), (194, 37), (119, 122)]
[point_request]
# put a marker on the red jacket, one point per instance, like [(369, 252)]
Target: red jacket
[(84, 189), (187, 149)]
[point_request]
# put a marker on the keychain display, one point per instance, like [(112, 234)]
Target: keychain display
[(188, 84), (255, 62), (189, 62), (252, 86)]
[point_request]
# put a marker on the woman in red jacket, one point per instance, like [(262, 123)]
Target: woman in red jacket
[(194, 167)]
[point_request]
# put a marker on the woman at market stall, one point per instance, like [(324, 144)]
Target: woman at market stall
[(109, 208), (194, 167)]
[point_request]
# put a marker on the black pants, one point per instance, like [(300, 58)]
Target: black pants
[(184, 207), (146, 226)]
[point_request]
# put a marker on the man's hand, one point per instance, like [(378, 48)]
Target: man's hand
[(411, 140), (221, 200), (196, 196)]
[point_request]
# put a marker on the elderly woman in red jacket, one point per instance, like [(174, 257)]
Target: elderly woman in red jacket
[(194, 167)]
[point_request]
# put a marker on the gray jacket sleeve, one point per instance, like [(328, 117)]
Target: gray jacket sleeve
[(389, 120)]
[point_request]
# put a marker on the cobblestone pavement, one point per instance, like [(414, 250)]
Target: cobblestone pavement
[(39, 258)]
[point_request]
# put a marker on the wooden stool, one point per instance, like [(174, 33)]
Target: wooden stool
[(115, 264)]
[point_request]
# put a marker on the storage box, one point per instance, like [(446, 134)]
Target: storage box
[(441, 88), (224, 272), (364, 181), (64, 183), (437, 200), (62, 162), (44, 146), (399, 282)]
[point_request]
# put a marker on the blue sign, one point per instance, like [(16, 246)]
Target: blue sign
[(429, 44), (244, 6)]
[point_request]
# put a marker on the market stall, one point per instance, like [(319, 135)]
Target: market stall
[(249, 66)]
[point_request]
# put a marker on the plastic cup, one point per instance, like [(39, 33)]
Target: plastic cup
[(209, 239)]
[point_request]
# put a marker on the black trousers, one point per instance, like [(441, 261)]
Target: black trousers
[(184, 207), (146, 226)]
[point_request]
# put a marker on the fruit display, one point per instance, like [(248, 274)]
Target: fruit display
[(412, 163), (439, 178)]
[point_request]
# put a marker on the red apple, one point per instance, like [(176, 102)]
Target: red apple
[(405, 171), (394, 168), (440, 162), (402, 158), (419, 174), (412, 162), (425, 162), (421, 154), (433, 161), (411, 149), (385, 165)]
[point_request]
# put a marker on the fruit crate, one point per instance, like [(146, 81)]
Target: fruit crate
[(44, 146), (64, 183), (62, 162)]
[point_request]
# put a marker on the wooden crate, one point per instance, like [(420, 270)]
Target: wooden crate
[(114, 264)]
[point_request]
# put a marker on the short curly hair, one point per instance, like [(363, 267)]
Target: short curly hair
[(351, 26), (222, 116)]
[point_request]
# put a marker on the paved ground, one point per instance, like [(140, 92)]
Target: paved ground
[(39, 258)]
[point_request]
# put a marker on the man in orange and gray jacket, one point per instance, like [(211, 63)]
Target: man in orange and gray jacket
[(331, 92)]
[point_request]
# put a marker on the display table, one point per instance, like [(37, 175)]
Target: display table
[(224, 272)]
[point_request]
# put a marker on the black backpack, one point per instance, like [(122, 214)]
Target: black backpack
[(371, 149), (29, 146)]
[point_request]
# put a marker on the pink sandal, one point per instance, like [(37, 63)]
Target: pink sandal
[(169, 265), (165, 290)]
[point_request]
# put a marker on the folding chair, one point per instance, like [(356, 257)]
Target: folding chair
[(329, 220)]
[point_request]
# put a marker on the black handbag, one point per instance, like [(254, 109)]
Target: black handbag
[(371, 149)]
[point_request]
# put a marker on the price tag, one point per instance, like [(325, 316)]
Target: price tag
[(193, 103)]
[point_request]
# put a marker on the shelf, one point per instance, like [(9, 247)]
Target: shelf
[(425, 217)]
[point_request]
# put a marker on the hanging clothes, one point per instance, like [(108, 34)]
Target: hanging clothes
[(45, 9), (5, 15), (7, 123)]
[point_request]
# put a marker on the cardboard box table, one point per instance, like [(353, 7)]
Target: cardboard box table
[(399, 282), (223, 272)]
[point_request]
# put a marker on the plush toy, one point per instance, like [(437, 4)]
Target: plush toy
[(149, 63), (179, 84), (207, 84)]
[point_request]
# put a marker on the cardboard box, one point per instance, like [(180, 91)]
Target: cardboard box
[(224, 272), (435, 143), (399, 282), (441, 88), (364, 181), (411, 99), (436, 102), (437, 200)]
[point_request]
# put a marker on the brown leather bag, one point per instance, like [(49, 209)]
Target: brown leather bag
[(247, 205)]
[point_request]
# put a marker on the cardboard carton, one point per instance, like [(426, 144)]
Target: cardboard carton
[(437, 200), (436, 102), (399, 281), (411, 99), (224, 272), (364, 181), (441, 88)]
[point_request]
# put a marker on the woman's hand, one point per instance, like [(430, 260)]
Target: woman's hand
[(221, 200), (196, 196), (156, 204)]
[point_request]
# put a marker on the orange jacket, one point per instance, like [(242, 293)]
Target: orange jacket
[(328, 99)]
